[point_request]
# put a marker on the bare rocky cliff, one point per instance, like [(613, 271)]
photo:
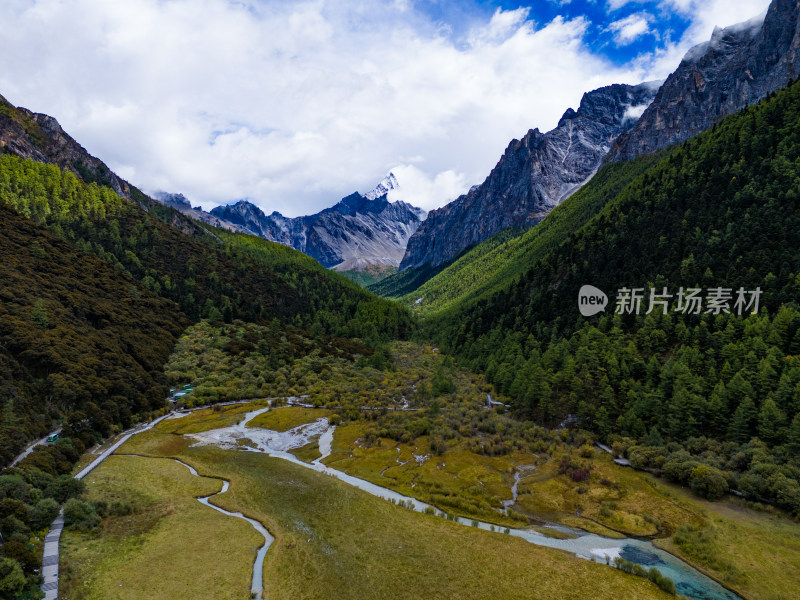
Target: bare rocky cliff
[(737, 67), (534, 174)]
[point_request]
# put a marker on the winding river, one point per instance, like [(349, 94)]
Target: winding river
[(257, 585), (688, 581)]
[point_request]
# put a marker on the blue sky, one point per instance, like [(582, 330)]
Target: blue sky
[(650, 25), (662, 26), (295, 104)]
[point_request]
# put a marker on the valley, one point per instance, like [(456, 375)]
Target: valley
[(332, 540), (375, 400), (462, 480), (165, 440)]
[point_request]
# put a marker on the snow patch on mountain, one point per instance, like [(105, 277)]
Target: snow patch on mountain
[(387, 184)]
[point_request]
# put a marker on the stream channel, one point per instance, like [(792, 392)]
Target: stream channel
[(688, 581)]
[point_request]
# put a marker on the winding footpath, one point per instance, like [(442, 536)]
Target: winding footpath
[(50, 556), (689, 581)]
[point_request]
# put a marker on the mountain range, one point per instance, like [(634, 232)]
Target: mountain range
[(361, 233), (101, 286), (534, 174), (367, 232), (738, 66)]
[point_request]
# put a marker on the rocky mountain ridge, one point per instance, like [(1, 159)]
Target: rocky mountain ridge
[(534, 174), (359, 232), (41, 138), (738, 66)]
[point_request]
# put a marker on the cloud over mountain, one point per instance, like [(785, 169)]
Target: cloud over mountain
[(295, 104)]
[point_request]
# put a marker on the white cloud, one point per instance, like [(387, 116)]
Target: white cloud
[(631, 28), (296, 104), (503, 24), (617, 4), (425, 191), (292, 104), (704, 16), (634, 112), (707, 14)]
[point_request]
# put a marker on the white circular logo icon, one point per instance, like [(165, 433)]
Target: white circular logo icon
[(591, 300)]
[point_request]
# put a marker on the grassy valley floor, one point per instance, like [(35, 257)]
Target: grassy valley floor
[(331, 540), (755, 552), (170, 547), (420, 426), (330, 536)]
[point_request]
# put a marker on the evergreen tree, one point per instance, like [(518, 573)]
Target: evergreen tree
[(743, 421), (793, 436), (794, 347), (686, 414), (771, 421), (717, 411), (602, 422), (654, 438), (39, 315)]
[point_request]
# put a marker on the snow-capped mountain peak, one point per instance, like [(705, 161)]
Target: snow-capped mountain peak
[(387, 183)]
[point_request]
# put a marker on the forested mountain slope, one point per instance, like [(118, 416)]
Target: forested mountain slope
[(96, 285), (106, 339), (722, 210), (497, 261), (197, 274), (99, 349), (77, 333)]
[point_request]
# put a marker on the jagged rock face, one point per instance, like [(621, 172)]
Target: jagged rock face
[(248, 218), (39, 137), (181, 203), (357, 233), (737, 67), (361, 232), (533, 175)]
